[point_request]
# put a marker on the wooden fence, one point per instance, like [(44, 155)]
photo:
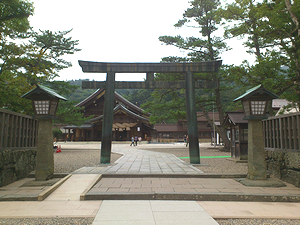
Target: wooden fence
[(282, 132), (17, 130)]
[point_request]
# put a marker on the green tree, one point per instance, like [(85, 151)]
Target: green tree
[(29, 57), (15, 9), (57, 133), (14, 25), (37, 60), (138, 96), (272, 31), (66, 112), (202, 15)]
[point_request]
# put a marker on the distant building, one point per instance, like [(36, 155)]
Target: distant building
[(237, 134), (176, 132), (280, 105), (129, 120)]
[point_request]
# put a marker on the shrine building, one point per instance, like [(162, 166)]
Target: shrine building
[(128, 120)]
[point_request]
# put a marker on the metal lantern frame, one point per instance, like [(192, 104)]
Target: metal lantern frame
[(44, 101), (255, 102)]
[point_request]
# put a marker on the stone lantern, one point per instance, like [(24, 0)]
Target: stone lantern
[(45, 103), (255, 103)]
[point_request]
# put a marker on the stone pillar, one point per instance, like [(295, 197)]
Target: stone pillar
[(107, 118), (192, 119), (257, 167), (44, 157)]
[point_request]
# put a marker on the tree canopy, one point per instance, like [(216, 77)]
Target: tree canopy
[(272, 32), (29, 57), (203, 16)]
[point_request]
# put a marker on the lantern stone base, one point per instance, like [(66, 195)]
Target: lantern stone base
[(44, 157), (257, 166)]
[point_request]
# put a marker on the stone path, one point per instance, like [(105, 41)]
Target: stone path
[(135, 161), (153, 212)]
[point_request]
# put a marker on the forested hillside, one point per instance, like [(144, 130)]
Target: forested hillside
[(80, 94), (143, 97)]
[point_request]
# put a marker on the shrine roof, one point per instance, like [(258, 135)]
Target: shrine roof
[(100, 92), (235, 118), (120, 107)]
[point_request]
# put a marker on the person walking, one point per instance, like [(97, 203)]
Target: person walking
[(135, 140), (132, 141), (187, 140)]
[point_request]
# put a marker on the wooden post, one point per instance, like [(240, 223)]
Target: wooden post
[(150, 77), (107, 118), (192, 118)]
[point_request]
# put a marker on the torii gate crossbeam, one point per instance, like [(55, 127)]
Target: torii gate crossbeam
[(149, 68)]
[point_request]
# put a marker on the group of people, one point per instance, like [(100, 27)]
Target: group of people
[(135, 139)]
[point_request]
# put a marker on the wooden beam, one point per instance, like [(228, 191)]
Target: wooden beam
[(147, 84), (105, 67)]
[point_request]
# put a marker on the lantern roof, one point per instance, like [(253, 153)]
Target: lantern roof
[(259, 89), (41, 93)]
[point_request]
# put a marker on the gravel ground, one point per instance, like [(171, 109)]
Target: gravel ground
[(68, 161), (89, 221), (257, 222), (48, 221)]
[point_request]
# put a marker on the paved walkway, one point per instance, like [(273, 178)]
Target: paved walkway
[(135, 161), (208, 189), (153, 212), (65, 200)]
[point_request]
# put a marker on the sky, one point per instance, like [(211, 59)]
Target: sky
[(119, 31)]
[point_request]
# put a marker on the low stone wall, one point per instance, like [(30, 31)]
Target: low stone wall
[(16, 164), (284, 165)]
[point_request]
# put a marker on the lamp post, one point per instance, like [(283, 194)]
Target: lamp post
[(255, 104), (45, 103)]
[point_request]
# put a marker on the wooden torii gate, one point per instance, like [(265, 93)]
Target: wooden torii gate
[(149, 68)]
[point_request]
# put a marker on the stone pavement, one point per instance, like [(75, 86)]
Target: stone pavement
[(135, 161), (65, 200), (187, 188), (153, 212)]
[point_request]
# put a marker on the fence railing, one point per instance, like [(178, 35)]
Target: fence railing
[(282, 132), (17, 130)]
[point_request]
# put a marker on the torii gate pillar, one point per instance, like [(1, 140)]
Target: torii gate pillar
[(149, 68), (108, 117), (191, 115)]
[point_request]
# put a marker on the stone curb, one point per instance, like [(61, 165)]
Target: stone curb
[(182, 196), (37, 197), (19, 198), (172, 175), (98, 178), (84, 194), (193, 197), (51, 189)]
